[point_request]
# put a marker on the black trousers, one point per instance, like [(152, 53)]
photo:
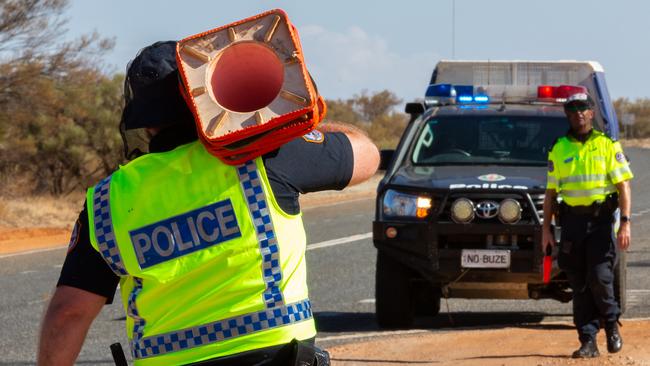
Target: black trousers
[(588, 255)]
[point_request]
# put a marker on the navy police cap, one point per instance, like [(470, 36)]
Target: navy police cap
[(151, 89)]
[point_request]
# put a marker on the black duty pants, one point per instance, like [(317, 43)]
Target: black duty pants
[(588, 255)]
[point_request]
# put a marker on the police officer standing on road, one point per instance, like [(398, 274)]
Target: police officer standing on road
[(591, 175), (210, 257)]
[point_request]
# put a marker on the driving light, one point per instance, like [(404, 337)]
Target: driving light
[(462, 210), (509, 211)]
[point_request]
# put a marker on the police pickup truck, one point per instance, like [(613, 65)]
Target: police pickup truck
[(459, 211)]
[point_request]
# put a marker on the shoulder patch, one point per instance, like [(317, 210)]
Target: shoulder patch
[(74, 238), (551, 167), (620, 157), (314, 136)]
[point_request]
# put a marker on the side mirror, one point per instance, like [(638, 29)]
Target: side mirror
[(414, 109), (385, 158)]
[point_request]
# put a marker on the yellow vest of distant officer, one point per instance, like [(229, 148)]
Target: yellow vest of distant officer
[(584, 173), (209, 264)]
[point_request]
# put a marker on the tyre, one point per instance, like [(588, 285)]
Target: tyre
[(620, 281), (393, 293), (427, 298)]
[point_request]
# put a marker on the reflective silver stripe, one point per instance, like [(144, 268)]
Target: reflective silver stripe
[(258, 207), (222, 330), (584, 178), (103, 224), (551, 180), (620, 173), (588, 192)]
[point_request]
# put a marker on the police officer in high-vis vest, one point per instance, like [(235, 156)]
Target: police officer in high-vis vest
[(590, 174), (210, 257)]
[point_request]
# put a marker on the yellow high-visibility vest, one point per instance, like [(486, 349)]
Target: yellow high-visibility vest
[(210, 265), (584, 173)]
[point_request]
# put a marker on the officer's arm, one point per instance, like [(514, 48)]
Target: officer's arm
[(550, 207), (624, 202), (67, 320), (624, 197), (366, 155)]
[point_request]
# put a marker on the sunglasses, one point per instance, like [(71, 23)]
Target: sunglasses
[(577, 108)]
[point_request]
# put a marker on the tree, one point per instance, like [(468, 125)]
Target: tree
[(49, 92), (371, 107), (374, 113), (640, 108)]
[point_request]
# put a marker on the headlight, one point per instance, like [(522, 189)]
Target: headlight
[(509, 211), (462, 210), (398, 204)]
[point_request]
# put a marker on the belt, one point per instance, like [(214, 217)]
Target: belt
[(283, 354), (608, 206), (591, 210)]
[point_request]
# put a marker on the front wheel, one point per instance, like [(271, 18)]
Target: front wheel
[(393, 293), (427, 298)]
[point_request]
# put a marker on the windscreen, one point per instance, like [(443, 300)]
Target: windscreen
[(515, 140)]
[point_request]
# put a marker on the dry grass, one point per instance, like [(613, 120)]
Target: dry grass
[(643, 143), (40, 211), (54, 212)]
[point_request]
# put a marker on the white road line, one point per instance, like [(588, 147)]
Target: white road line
[(28, 272), (32, 252), (367, 301), (347, 239), (639, 291)]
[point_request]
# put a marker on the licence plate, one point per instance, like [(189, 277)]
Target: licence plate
[(480, 258)]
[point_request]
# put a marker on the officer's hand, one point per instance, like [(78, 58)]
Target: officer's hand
[(548, 239), (623, 237)]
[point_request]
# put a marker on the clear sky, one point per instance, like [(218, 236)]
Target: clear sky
[(352, 45)]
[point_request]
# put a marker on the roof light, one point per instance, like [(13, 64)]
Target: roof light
[(465, 99), (440, 94), (546, 92), (440, 90), (464, 90), (558, 93), (565, 91), (481, 99)]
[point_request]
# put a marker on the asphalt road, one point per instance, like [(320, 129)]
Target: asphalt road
[(341, 280)]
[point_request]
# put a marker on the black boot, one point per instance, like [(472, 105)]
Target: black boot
[(614, 339), (587, 349)]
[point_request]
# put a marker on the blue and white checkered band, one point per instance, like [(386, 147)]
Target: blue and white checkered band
[(251, 183), (104, 227), (132, 311), (222, 330)]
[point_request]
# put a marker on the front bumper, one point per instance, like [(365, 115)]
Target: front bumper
[(434, 250)]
